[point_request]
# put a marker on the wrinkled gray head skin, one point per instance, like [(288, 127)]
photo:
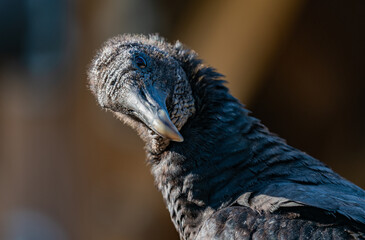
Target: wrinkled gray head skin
[(141, 80)]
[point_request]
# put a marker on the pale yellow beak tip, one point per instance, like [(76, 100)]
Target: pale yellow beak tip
[(165, 128)]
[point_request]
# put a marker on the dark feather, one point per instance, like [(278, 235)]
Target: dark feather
[(231, 178)]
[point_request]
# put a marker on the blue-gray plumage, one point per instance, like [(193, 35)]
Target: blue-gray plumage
[(222, 174)]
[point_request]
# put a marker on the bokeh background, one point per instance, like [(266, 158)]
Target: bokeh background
[(69, 170)]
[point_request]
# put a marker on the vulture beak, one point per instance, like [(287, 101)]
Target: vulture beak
[(148, 104)]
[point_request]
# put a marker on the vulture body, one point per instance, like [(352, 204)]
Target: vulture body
[(222, 174)]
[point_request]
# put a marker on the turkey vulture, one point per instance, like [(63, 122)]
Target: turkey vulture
[(222, 174)]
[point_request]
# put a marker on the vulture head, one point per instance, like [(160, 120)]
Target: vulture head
[(142, 81)]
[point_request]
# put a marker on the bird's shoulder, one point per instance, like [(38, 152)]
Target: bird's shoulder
[(240, 222), (339, 198)]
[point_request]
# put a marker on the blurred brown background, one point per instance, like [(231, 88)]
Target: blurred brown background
[(71, 171)]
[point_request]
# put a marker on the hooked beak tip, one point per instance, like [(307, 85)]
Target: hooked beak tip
[(179, 138), (165, 128)]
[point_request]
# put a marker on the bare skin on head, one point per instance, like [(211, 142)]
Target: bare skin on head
[(143, 85)]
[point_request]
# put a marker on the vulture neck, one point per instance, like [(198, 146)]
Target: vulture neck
[(195, 176)]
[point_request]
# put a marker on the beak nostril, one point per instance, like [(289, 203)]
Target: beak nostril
[(130, 112), (143, 95)]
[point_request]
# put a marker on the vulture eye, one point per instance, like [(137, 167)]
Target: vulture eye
[(141, 62)]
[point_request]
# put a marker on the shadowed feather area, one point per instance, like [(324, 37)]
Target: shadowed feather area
[(230, 178)]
